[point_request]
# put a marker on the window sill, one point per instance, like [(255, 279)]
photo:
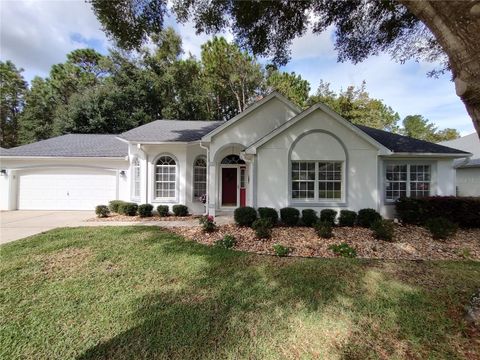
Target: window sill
[(165, 201), (317, 203)]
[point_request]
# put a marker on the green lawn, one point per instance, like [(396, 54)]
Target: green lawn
[(140, 292)]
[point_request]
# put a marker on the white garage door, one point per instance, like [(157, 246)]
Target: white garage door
[(65, 189)]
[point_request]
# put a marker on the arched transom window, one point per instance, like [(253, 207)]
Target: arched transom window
[(199, 177), (232, 160), (165, 177), (136, 178)]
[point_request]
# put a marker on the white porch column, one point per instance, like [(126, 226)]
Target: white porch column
[(212, 188)]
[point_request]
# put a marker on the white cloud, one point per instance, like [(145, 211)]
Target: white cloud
[(37, 34), (314, 45)]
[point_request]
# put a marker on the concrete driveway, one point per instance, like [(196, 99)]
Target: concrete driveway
[(18, 224)]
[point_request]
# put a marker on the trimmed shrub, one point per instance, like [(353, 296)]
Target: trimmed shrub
[(162, 210), (268, 213), (366, 217), (347, 218), (289, 216), (227, 242), (464, 211), (114, 205), (145, 210), (180, 210), (343, 250), (328, 215), (128, 208), (441, 228), (208, 223), (263, 228), (245, 216), (324, 229), (309, 217), (281, 250), (383, 229), (102, 211)]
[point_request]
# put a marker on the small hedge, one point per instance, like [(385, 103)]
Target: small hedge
[(309, 217), (268, 213), (441, 228), (328, 215), (347, 218), (245, 216), (145, 210), (263, 228), (289, 216), (180, 210), (102, 211), (464, 211), (366, 217), (343, 250), (227, 242), (114, 205), (383, 230), (324, 229), (162, 210), (128, 208), (281, 250)]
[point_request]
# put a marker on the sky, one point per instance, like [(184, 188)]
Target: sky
[(36, 34)]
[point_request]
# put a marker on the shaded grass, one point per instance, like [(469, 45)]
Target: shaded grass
[(141, 292)]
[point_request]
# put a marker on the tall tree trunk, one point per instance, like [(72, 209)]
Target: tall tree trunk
[(456, 26)]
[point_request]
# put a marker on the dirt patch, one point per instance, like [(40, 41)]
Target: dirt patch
[(65, 261), (410, 242), (124, 218)]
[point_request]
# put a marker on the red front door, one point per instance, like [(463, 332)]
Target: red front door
[(229, 186)]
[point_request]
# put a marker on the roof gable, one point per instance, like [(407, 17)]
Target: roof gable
[(251, 149), (250, 109)]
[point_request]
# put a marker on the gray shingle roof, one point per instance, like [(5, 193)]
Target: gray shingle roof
[(405, 144), (171, 130), (73, 145)]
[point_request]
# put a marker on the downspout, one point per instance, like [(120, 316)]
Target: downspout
[(140, 148), (208, 177)]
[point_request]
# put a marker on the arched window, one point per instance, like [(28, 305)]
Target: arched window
[(165, 177), (199, 177), (232, 160), (136, 178)]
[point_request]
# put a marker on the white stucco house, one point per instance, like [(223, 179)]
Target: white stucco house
[(272, 154), (467, 169)]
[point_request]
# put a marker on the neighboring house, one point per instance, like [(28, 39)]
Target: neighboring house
[(272, 154), (467, 169)]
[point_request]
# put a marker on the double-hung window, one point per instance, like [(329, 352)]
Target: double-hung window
[(317, 180), (165, 178), (407, 180)]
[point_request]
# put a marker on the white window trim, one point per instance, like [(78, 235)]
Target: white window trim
[(156, 199), (316, 200), (194, 198), (134, 197), (408, 163)]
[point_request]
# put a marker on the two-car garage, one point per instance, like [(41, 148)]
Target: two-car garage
[(68, 172), (65, 188)]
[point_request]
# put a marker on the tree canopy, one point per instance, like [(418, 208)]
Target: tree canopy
[(95, 93), (444, 31)]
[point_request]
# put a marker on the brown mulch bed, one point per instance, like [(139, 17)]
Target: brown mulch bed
[(125, 218), (410, 242)]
